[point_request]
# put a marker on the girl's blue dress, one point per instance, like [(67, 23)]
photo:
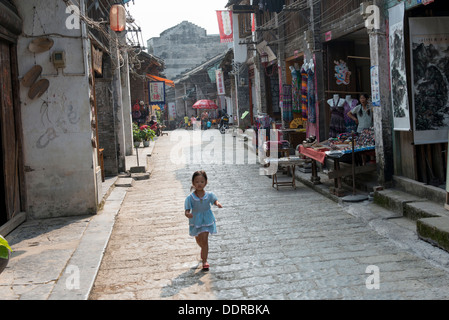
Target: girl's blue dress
[(203, 219)]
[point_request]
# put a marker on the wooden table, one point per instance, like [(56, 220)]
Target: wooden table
[(291, 162), (337, 172)]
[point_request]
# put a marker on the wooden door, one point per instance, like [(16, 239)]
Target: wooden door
[(9, 179)]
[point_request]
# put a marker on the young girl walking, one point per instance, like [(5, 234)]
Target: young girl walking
[(198, 210)]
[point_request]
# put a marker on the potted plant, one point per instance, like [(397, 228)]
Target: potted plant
[(5, 249), (148, 135), (137, 135)]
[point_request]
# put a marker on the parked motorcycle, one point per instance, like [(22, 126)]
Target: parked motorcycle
[(156, 127), (224, 123)]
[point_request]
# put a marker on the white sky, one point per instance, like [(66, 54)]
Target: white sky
[(156, 16)]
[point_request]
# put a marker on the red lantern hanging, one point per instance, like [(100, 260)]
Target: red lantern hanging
[(117, 17)]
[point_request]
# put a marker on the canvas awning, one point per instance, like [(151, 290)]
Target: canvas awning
[(156, 78)]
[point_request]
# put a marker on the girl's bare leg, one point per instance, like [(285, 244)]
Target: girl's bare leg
[(203, 241)]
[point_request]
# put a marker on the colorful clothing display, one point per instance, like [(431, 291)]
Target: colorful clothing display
[(311, 111), (287, 102), (304, 105), (296, 93), (337, 124)]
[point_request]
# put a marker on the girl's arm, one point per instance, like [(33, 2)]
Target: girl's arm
[(218, 204), (351, 115), (188, 214)]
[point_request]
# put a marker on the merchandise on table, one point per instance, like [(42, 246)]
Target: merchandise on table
[(363, 141)]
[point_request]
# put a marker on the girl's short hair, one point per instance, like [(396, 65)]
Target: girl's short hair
[(199, 173)]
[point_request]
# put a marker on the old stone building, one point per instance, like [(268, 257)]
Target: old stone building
[(185, 46)]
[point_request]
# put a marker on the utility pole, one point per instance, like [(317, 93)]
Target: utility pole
[(316, 53), (382, 114)]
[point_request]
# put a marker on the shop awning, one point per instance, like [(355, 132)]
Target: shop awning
[(156, 78)]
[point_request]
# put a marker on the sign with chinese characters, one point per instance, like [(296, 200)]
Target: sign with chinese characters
[(171, 111), (224, 18), (375, 91), (156, 91), (328, 36), (220, 82)]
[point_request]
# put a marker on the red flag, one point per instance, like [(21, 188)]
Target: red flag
[(225, 25)]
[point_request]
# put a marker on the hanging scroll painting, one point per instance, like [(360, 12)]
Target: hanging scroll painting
[(398, 76), (429, 44)]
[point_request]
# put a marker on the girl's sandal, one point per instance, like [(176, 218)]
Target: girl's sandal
[(205, 266)]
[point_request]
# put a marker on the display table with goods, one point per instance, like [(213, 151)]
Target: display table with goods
[(338, 150)]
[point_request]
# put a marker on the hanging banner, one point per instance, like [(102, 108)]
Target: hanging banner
[(220, 82), (398, 76), (225, 26), (429, 46), (156, 91)]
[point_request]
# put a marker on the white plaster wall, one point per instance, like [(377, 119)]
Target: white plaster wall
[(59, 157)]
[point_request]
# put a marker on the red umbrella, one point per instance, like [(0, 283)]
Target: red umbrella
[(205, 104)]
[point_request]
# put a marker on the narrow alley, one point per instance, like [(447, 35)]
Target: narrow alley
[(286, 244)]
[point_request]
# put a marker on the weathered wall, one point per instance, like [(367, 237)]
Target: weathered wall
[(60, 162)]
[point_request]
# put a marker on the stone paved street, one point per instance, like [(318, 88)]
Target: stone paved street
[(286, 244)]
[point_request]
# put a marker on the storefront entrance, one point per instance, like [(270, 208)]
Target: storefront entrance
[(347, 76)]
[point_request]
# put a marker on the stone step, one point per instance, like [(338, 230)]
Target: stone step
[(409, 205), (140, 176), (124, 182), (395, 200), (435, 231), (432, 219)]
